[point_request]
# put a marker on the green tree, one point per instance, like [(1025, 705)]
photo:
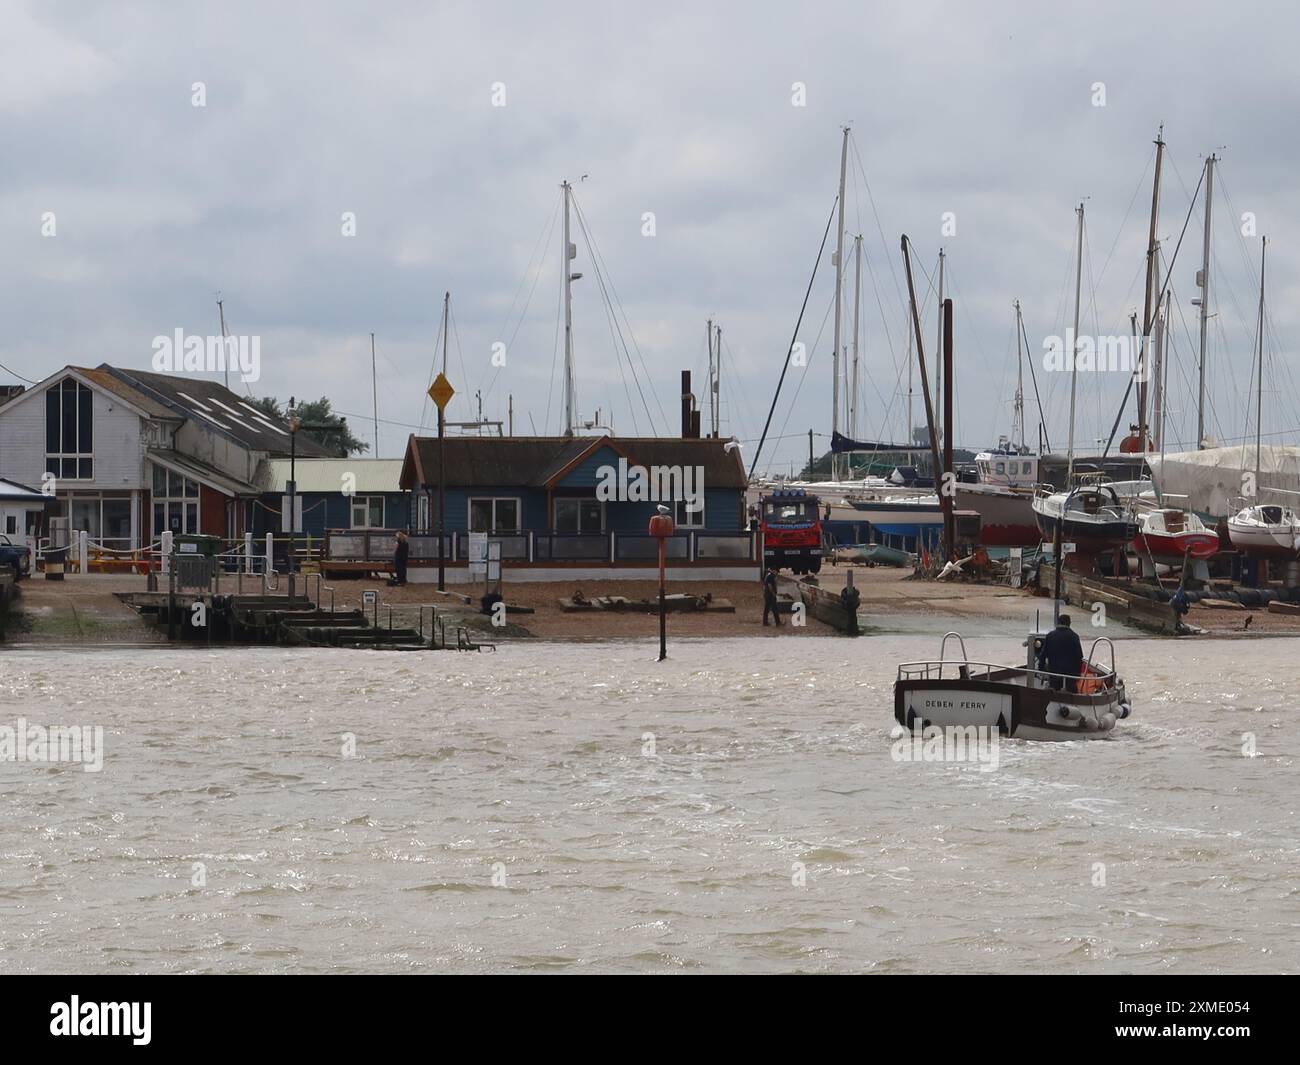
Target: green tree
[(319, 423)]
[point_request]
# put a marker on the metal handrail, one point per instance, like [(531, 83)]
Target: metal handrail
[(322, 587), (943, 644), (433, 618), (933, 670), (1093, 650)]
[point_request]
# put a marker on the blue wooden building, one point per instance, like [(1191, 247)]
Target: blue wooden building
[(583, 503)]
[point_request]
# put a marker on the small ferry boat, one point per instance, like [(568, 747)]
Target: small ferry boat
[(1019, 701)]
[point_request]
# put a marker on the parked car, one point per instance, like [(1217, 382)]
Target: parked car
[(14, 556)]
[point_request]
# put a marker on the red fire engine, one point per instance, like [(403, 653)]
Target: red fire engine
[(792, 530)]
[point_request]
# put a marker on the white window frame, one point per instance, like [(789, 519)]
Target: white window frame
[(495, 529), (688, 519), (75, 456), (356, 501), (166, 500)]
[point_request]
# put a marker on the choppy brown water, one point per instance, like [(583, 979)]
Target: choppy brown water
[(767, 754)]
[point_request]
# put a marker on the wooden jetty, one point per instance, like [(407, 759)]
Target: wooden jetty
[(836, 609), (291, 621), (1124, 605)]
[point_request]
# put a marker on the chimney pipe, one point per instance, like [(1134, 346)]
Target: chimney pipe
[(687, 403)]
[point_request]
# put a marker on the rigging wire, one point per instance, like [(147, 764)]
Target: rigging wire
[(602, 272), (785, 362)]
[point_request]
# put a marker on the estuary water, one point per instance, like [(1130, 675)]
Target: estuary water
[(580, 807)]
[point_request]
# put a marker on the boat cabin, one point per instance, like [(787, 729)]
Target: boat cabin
[(1010, 469)]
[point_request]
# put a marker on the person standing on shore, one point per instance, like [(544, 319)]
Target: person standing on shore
[(769, 597), (400, 555)]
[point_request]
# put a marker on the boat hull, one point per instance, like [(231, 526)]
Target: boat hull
[(1006, 516), (1089, 537), (1262, 541), (1015, 710), (1171, 547), (909, 520)]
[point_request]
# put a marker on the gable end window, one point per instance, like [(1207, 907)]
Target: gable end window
[(70, 431)]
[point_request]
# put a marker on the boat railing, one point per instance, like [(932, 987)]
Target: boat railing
[(951, 669), (943, 646), (1092, 651)]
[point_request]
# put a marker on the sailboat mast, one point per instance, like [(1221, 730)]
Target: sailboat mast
[(1147, 309), (1018, 422), (925, 383), (1074, 343), (1203, 282), (857, 303), (374, 393), (909, 389), (1259, 389), (836, 400), (446, 317), (1157, 403), (717, 383), (570, 252), (708, 336), (225, 348), (938, 347)]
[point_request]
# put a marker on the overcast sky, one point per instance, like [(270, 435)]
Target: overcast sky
[(387, 111)]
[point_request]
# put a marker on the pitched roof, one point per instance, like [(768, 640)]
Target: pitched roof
[(13, 490), (217, 408), (191, 467), (102, 377), (536, 461)]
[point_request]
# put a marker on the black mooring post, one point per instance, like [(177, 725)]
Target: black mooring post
[(171, 597)]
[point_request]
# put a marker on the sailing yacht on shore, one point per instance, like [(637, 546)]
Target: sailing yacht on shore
[(1264, 530), (1007, 474), (1093, 517)]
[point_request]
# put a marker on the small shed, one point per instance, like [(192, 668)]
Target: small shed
[(21, 511)]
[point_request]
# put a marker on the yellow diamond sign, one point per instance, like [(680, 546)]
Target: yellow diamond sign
[(441, 391)]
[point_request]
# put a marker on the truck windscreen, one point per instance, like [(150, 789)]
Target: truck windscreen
[(787, 513)]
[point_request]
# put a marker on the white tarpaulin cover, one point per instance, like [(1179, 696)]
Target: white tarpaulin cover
[(1215, 481)]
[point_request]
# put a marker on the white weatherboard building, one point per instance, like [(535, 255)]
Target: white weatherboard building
[(130, 454)]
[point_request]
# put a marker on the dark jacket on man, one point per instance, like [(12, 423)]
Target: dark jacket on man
[(400, 556), (1061, 653), (769, 597)]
